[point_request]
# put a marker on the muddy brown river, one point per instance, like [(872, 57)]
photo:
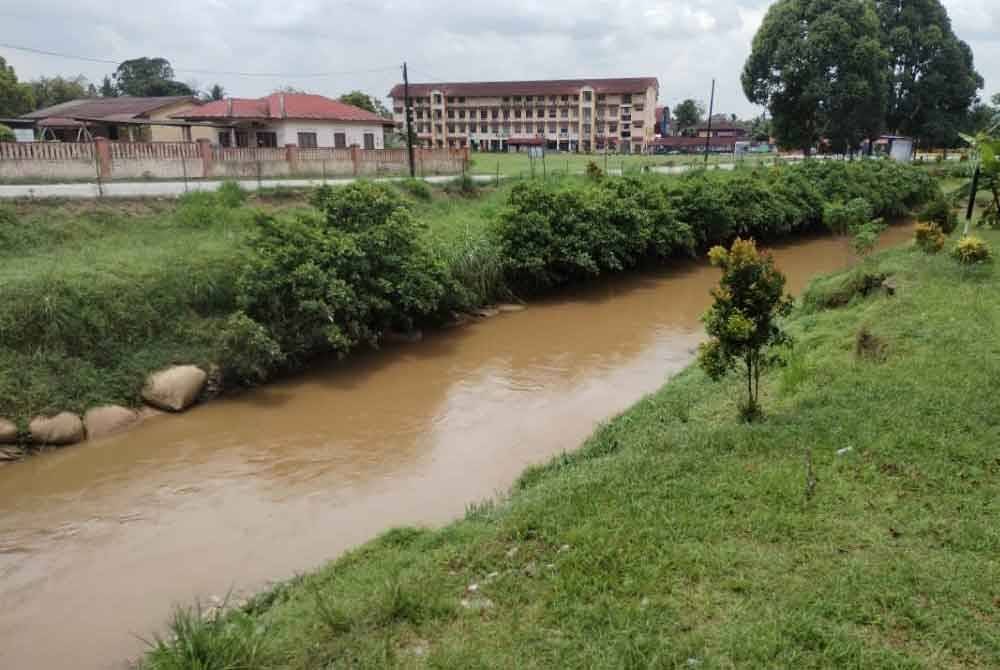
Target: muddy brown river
[(99, 541)]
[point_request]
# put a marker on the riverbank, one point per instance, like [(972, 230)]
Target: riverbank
[(680, 536), (100, 298)]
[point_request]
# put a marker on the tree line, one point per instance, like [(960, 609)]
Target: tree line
[(838, 72)]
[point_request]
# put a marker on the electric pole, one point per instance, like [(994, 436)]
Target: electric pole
[(711, 108), (409, 119)]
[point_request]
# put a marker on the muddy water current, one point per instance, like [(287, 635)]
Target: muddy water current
[(97, 542)]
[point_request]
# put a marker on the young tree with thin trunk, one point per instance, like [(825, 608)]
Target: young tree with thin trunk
[(743, 319)]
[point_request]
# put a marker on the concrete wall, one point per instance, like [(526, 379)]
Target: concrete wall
[(53, 161)]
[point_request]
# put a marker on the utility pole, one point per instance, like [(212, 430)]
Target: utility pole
[(409, 117), (711, 108)]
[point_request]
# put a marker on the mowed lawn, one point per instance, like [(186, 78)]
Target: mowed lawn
[(558, 163), (680, 537)]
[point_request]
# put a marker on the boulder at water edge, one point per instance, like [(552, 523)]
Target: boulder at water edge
[(101, 421), (174, 389), (63, 428), (8, 432)]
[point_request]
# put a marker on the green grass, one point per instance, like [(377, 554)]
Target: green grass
[(678, 536), (557, 163)]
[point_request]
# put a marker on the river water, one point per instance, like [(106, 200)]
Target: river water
[(97, 542)]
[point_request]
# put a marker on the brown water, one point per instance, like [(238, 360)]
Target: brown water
[(98, 541)]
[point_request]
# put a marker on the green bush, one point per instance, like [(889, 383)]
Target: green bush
[(941, 213), (551, 234), (329, 280), (247, 353), (971, 250), (843, 218), (929, 237), (6, 134), (594, 171), (464, 186), (229, 194), (417, 188)]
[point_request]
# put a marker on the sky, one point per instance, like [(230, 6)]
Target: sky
[(360, 44)]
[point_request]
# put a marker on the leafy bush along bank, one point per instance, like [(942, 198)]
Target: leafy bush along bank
[(95, 302), (552, 234), (854, 528)]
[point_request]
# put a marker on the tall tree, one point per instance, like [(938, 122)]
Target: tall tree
[(688, 115), (216, 92), (819, 67), (148, 77), (50, 91), (932, 81), (16, 98), (108, 89), (365, 101)]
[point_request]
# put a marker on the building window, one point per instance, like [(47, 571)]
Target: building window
[(340, 140), (517, 98), (600, 97), (451, 113), (483, 113), (540, 128), (266, 138), (586, 96), (496, 114), (308, 140), (552, 98), (224, 138), (482, 128), (552, 113), (242, 138), (369, 140), (437, 98), (450, 100), (461, 99), (517, 113), (451, 127), (626, 98), (565, 114), (517, 128), (506, 99), (565, 98)]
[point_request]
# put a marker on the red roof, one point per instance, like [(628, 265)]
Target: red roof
[(526, 141), (280, 106), (536, 87), (681, 142)]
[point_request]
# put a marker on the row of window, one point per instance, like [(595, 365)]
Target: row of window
[(517, 128), (269, 139), (601, 97)]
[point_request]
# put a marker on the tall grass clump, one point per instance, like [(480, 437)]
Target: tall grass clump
[(202, 640)]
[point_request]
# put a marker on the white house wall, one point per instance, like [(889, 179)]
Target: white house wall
[(288, 132)]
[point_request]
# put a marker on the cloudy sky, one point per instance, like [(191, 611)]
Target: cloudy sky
[(358, 44)]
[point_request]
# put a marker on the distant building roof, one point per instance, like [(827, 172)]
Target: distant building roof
[(719, 124), (280, 106), (120, 109), (680, 142), (535, 141), (534, 87)]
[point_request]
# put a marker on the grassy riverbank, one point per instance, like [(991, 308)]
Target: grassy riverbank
[(678, 536), (96, 296)]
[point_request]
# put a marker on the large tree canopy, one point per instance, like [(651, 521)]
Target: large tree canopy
[(148, 77), (365, 101), (819, 67), (932, 82), (687, 115), (16, 98), (50, 91)]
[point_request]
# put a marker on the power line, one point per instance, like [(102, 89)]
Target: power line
[(287, 75)]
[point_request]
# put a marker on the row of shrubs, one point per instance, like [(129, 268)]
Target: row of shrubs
[(550, 234), (359, 265)]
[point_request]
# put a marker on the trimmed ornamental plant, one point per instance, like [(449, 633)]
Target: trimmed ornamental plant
[(6, 134), (743, 321), (971, 250), (929, 237)]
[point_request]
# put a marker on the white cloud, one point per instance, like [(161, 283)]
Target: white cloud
[(683, 42)]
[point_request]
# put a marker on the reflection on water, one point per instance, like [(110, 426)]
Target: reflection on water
[(97, 541)]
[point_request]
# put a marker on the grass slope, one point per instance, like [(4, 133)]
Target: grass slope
[(679, 537)]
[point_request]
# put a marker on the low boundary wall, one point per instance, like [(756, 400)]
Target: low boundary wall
[(106, 160)]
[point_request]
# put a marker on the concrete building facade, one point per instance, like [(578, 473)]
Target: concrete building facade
[(582, 115)]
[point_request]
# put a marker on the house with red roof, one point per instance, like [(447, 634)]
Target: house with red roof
[(280, 119)]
